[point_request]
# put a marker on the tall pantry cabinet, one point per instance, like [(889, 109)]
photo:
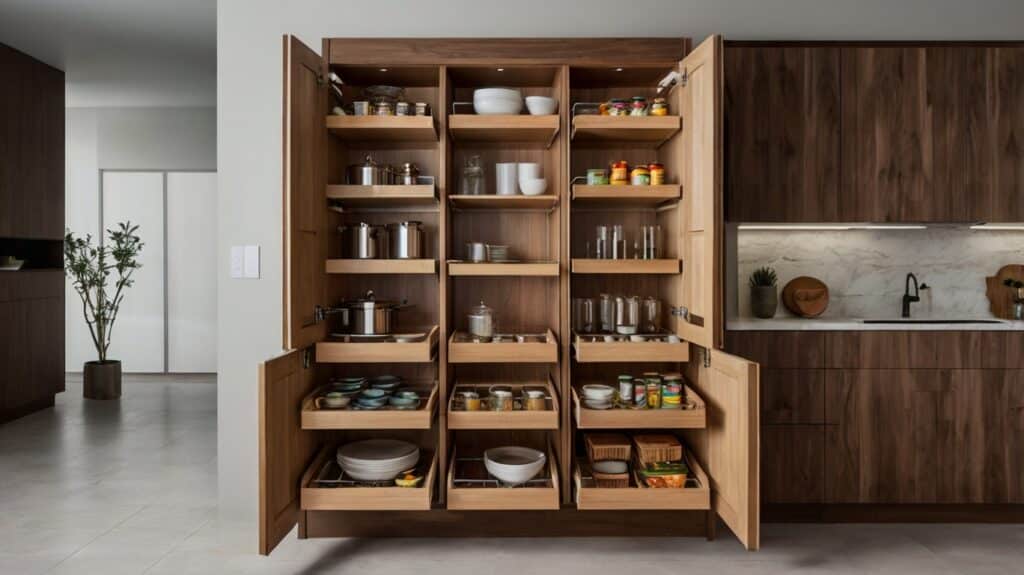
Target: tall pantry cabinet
[(548, 233)]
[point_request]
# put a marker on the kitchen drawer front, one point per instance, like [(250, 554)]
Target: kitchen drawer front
[(779, 349), (998, 349), (792, 396), (793, 463), (893, 350)]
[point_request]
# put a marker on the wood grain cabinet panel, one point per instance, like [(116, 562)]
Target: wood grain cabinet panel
[(791, 396), (882, 349), (793, 463), (779, 349), (782, 117)]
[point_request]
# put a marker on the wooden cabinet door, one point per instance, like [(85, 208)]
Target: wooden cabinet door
[(886, 140), (781, 133), (794, 469), (729, 447), (701, 206), (285, 449), (305, 180)]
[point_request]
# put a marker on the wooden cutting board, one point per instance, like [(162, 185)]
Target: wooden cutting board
[(1000, 297), (805, 296)]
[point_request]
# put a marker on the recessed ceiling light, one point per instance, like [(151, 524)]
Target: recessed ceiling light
[(501, 69), (618, 69), (383, 69)]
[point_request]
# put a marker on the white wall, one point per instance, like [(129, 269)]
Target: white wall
[(249, 85), (123, 139)]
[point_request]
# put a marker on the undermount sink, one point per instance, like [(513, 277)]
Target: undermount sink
[(935, 321)]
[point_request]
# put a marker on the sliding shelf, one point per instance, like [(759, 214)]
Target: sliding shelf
[(480, 493), (462, 350), (359, 498), (593, 266), (588, 351), (378, 352), (504, 128), (401, 196), (692, 417), (314, 417), (486, 418), (383, 128), (653, 130), (496, 202), (625, 196), (534, 269), (589, 497), (396, 266)]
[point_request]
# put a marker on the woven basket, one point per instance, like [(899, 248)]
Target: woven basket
[(611, 480), (605, 446), (655, 447)]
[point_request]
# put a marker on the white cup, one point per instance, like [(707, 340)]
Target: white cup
[(529, 171), (506, 183)]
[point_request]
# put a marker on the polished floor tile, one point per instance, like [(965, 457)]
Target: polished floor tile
[(130, 487)]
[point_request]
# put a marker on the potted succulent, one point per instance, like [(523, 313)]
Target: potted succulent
[(764, 293), (90, 268), (1018, 296)]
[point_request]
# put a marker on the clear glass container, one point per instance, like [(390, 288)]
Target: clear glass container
[(606, 311), (473, 182), (627, 314), (618, 244), (601, 243), (583, 315), (650, 315), (481, 322), (651, 236)]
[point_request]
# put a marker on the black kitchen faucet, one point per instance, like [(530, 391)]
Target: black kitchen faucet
[(909, 299)]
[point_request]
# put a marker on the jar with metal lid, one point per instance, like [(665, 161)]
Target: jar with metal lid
[(473, 183), (618, 107), (640, 176), (619, 173), (626, 389), (422, 109), (402, 109), (657, 172), (659, 107), (408, 174), (383, 109), (638, 106), (481, 322)]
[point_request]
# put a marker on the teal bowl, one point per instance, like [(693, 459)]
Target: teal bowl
[(405, 402), (373, 394), (371, 403)]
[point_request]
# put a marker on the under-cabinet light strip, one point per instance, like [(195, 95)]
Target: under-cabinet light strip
[(830, 227), (1000, 227)]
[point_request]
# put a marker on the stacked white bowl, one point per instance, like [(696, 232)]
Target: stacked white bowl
[(490, 101), (598, 396), (377, 459), (514, 465)]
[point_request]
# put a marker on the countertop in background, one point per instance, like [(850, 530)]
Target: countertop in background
[(857, 324)]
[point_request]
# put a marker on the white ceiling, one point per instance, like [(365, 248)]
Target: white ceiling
[(121, 52)]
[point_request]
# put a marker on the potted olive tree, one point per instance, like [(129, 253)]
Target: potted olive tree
[(90, 269), (764, 293)]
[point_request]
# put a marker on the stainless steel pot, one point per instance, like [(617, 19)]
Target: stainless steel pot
[(407, 175), (405, 240), (370, 316), (370, 173), (476, 251), (364, 241)]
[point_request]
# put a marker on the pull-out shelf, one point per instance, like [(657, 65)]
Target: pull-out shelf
[(459, 418), (694, 417), (384, 418), (624, 266), (461, 350), (347, 497), (590, 351), (378, 352), (480, 492), (395, 266), (590, 497), (383, 128), (640, 130)]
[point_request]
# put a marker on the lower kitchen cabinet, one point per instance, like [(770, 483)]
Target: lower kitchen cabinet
[(793, 464), (790, 396)]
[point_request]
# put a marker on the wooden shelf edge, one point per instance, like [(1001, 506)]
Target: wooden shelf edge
[(633, 352), (640, 419), (496, 202), (366, 498), (531, 269), (651, 196), (356, 352), (393, 266), (415, 128), (625, 266), (511, 128), (466, 352)]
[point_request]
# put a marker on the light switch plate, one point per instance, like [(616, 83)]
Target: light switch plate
[(237, 262), (252, 262)]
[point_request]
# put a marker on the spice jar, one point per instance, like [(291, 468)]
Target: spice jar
[(499, 399), (402, 109), (618, 107), (659, 107), (534, 400), (410, 172), (638, 106), (657, 173), (471, 400), (619, 173), (640, 176)]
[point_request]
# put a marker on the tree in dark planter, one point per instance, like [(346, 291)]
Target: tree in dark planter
[(90, 267), (764, 293)]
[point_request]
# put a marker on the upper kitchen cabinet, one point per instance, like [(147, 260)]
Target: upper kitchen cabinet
[(782, 120)]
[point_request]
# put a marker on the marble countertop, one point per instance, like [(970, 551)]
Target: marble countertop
[(857, 324)]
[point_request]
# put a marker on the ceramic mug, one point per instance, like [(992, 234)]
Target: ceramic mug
[(500, 399), (506, 180)]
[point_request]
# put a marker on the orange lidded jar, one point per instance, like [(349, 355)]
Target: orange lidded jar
[(619, 173)]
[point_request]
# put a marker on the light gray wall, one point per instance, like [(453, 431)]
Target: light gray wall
[(249, 85), (123, 139)]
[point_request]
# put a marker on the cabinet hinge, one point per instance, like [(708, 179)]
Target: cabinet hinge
[(307, 358), (670, 81), (707, 358), (681, 311)]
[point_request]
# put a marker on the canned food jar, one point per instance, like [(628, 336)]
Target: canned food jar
[(638, 106), (422, 109), (659, 107), (402, 109), (640, 392), (626, 388), (618, 107), (657, 174), (361, 108), (597, 177), (640, 176), (619, 173), (383, 109)]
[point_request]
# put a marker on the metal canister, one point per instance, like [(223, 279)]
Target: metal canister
[(597, 177), (405, 239), (361, 108), (619, 173), (402, 109), (408, 175), (639, 392), (422, 109), (626, 388), (657, 173)]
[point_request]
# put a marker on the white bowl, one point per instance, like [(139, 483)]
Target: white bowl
[(598, 392), (514, 465), (491, 101), (377, 459), (533, 187), (541, 105)]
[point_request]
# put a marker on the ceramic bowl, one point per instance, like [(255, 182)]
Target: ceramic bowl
[(598, 392), (541, 105), (491, 101), (373, 394), (610, 466), (597, 404), (407, 394), (405, 402), (514, 465), (533, 187), (371, 403)]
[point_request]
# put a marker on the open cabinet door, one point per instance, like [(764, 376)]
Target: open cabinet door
[(729, 447), (285, 450), (701, 227), (305, 178)]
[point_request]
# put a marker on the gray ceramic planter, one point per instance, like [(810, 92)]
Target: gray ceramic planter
[(764, 300)]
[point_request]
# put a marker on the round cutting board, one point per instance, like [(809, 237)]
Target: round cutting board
[(805, 296)]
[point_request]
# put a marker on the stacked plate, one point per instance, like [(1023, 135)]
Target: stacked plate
[(377, 459), (598, 396)]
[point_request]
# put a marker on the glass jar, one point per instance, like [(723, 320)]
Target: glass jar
[(583, 315), (640, 176), (606, 309), (619, 173), (650, 234), (481, 322), (601, 242), (627, 314), (659, 107), (650, 315), (618, 244), (657, 173), (638, 106), (473, 182)]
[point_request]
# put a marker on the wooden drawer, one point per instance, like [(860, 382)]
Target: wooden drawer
[(792, 396), (779, 349), (385, 418), (793, 463), (888, 349), (508, 419), (396, 498), (507, 352), (695, 418), (622, 351), (379, 352), (591, 497), (498, 498)]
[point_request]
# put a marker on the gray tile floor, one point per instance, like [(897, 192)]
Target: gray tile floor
[(130, 487)]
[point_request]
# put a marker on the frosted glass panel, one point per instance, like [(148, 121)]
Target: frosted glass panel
[(192, 272), (138, 339)]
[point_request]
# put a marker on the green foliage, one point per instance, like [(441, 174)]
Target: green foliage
[(90, 269), (1015, 284), (763, 277)]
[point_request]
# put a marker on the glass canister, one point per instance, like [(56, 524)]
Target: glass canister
[(650, 315), (481, 322), (606, 309), (473, 182), (627, 314), (618, 243), (583, 315), (499, 398), (651, 236), (601, 242)]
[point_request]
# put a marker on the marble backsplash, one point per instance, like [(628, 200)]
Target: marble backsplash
[(865, 270)]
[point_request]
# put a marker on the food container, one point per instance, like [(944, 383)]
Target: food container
[(640, 392), (663, 474), (370, 316), (383, 109), (369, 173), (473, 183), (476, 252), (607, 446), (402, 109), (626, 388), (480, 322), (657, 173), (615, 107), (408, 175), (606, 312), (638, 106), (619, 173), (405, 240), (471, 399), (650, 315), (597, 177), (640, 176), (583, 315), (422, 109), (535, 400), (655, 447), (659, 107), (627, 314), (654, 393), (361, 108), (499, 399), (363, 241)]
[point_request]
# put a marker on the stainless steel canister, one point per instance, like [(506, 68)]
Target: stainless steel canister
[(408, 174), (364, 241), (369, 173), (476, 251), (405, 240)]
